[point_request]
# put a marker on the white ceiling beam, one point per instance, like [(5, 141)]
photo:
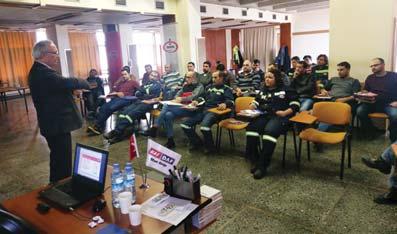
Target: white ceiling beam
[(299, 3), (275, 2), (245, 2), (314, 6)]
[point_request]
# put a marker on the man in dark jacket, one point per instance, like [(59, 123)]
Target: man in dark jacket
[(57, 113)]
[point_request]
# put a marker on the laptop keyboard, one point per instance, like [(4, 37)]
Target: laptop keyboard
[(66, 188)]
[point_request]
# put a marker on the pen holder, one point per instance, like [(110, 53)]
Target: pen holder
[(182, 189)]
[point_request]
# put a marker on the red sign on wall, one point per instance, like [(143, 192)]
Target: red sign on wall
[(170, 46)]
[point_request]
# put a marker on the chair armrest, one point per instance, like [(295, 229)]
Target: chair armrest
[(303, 118), (220, 112)]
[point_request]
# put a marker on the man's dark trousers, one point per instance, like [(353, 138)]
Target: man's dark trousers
[(60, 156)]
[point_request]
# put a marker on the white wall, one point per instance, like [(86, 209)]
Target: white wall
[(312, 43)]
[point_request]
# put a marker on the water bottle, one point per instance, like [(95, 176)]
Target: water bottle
[(117, 184), (129, 180)]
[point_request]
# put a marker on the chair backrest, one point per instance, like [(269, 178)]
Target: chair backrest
[(10, 223), (243, 103), (336, 113)]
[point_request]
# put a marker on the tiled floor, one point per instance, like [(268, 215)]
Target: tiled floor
[(309, 200)]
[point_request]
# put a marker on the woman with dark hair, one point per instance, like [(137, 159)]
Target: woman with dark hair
[(277, 104), (320, 72)]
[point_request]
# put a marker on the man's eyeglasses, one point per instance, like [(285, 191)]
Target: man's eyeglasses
[(375, 65), (52, 52)]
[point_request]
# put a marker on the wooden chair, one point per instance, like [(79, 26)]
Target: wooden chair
[(334, 113), (231, 124)]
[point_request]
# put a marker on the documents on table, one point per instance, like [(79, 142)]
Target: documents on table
[(168, 209), (250, 113), (171, 103)]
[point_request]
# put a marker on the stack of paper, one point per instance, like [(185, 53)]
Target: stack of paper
[(212, 211)]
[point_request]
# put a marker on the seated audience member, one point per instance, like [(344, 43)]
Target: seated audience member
[(286, 80), (304, 86), (384, 84), (96, 89), (310, 64), (320, 72), (191, 90), (148, 95), (124, 86), (384, 163), (148, 69), (256, 67), (172, 82), (294, 61), (192, 67), (246, 81), (230, 78), (205, 78), (277, 104), (341, 89), (216, 95)]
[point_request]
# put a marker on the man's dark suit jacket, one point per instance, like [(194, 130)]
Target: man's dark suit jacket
[(56, 109)]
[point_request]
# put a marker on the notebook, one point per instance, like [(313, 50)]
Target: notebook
[(87, 181)]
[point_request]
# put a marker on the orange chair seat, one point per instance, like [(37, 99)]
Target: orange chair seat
[(155, 113), (378, 115), (231, 124), (317, 136)]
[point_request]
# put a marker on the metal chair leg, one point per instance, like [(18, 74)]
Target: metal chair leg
[(349, 151), (295, 146), (284, 148), (342, 161), (230, 137), (308, 150), (234, 142), (300, 152)]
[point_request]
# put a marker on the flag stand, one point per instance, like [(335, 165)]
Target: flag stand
[(135, 153), (144, 184)]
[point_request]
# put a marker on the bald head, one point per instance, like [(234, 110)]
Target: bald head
[(247, 66), (167, 68)]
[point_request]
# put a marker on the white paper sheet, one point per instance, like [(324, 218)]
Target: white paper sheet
[(182, 208)]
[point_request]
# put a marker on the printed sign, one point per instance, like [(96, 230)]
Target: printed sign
[(161, 158), (170, 46)]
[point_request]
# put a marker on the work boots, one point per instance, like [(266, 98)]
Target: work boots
[(378, 163)]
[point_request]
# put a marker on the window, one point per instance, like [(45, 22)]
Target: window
[(244, 13), (225, 11), (274, 16), (260, 15), (203, 9)]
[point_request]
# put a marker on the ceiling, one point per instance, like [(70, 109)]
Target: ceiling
[(220, 23), (275, 5), (29, 17)]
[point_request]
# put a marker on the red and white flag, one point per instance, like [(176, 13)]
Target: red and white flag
[(133, 147)]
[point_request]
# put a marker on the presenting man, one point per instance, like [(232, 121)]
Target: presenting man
[(57, 113)]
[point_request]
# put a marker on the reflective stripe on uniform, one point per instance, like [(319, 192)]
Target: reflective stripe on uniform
[(126, 117), (295, 103), (205, 128), (322, 71), (185, 126), (269, 138), (249, 133)]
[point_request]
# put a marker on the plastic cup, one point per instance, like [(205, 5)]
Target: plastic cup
[(125, 200), (135, 213)]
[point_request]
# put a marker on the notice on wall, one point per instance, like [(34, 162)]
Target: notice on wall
[(161, 158)]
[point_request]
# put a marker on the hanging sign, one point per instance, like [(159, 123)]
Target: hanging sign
[(170, 46)]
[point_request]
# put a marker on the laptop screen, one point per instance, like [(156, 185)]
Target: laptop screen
[(90, 163)]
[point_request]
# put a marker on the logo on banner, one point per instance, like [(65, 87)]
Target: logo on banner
[(160, 157), (170, 46)]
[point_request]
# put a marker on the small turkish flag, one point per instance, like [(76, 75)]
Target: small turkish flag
[(133, 147)]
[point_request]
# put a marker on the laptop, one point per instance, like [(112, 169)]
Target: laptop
[(87, 181)]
